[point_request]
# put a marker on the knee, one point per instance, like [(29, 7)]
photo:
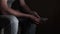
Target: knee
[(33, 25), (14, 20)]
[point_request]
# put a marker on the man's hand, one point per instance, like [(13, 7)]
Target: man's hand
[(36, 14), (35, 19)]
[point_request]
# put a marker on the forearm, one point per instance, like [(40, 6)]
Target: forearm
[(29, 10), (26, 7), (36, 14), (15, 12)]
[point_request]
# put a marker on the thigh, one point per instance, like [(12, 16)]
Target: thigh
[(8, 19), (24, 22), (12, 25)]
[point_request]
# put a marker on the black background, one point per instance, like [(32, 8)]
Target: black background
[(49, 9)]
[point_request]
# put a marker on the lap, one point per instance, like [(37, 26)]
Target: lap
[(25, 23), (7, 19)]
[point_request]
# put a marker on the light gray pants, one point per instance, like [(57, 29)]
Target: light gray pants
[(14, 25), (13, 22)]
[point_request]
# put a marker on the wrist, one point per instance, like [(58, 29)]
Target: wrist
[(29, 16), (32, 16)]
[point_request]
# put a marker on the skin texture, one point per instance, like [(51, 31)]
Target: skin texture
[(33, 15)]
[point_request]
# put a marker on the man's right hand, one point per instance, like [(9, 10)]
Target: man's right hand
[(37, 20)]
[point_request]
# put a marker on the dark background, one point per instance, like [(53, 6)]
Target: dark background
[(49, 9)]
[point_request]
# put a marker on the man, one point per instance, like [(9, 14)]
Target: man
[(18, 13), (23, 7)]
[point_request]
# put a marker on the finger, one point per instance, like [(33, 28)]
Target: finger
[(36, 23)]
